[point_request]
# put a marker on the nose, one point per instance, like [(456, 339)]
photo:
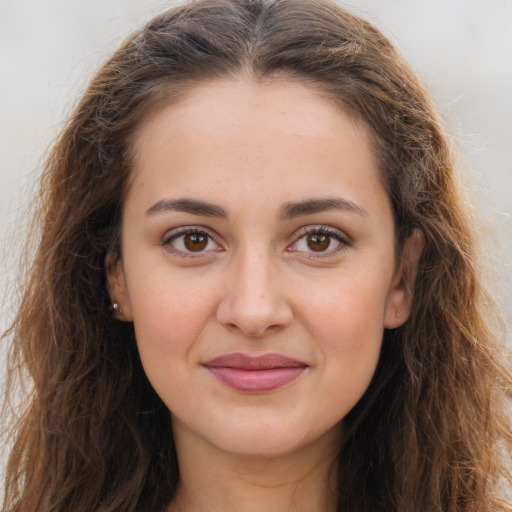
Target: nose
[(254, 303)]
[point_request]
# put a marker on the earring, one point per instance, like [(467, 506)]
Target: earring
[(116, 310)]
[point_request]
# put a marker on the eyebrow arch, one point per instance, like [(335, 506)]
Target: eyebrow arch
[(186, 205), (310, 206)]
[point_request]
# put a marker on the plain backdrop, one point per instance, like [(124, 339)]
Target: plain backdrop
[(461, 48)]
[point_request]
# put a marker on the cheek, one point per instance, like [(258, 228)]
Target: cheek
[(169, 316), (349, 307), (347, 323), (170, 312)]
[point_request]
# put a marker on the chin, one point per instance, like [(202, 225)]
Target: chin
[(259, 445), (273, 439)]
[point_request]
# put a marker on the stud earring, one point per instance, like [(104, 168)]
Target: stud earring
[(116, 310)]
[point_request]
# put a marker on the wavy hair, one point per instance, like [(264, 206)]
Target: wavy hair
[(431, 433)]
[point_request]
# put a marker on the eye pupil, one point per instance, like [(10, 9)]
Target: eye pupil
[(195, 241), (318, 242)]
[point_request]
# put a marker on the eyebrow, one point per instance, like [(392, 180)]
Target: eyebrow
[(186, 205), (287, 212), (311, 206)]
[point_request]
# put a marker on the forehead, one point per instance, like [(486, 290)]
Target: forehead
[(276, 138), (270, 99)]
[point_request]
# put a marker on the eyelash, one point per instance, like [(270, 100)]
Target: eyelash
[(304, 232), (331, 233), (184, 231)]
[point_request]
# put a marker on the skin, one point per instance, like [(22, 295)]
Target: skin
[(259, 281)]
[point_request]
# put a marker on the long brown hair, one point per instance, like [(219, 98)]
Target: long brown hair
[(431, 432)]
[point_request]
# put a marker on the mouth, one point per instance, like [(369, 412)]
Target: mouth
[(255, 374)]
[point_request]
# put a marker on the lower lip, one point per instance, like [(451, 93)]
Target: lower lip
[(256, 381)]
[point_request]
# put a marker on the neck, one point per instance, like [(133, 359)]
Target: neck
[(213, 480)]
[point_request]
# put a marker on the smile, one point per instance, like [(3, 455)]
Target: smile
[(255, 374)]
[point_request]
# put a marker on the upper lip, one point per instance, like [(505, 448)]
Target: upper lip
[(247, 362)]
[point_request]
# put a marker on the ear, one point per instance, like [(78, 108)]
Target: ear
[(398, 306), (117, 288)]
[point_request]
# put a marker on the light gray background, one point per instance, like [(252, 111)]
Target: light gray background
[(462, 49)]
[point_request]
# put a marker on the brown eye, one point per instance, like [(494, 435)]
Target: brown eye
[(318, 242), (195, 242), (190, 241)]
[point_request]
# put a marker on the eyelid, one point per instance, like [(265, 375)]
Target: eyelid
[(335, 233), (176, 233), (343, 239)]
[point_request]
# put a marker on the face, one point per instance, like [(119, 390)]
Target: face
[(258, 265)]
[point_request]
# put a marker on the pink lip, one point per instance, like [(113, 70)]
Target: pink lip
[(255, 374)]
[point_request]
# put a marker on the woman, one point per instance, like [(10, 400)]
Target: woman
[(256, 286)]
